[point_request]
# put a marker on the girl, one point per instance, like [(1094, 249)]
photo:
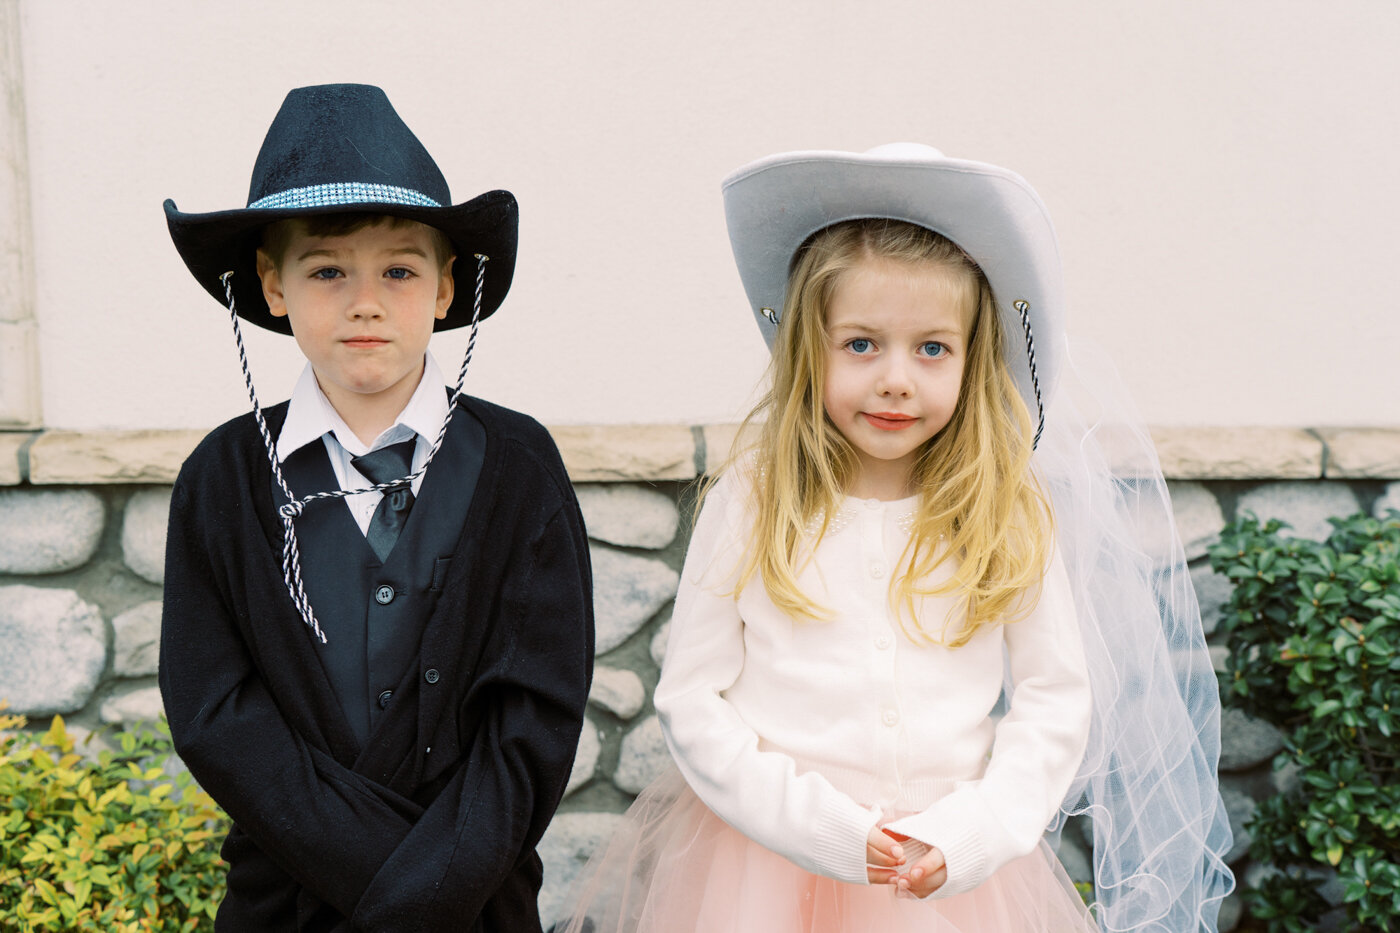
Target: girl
[(919, 620)]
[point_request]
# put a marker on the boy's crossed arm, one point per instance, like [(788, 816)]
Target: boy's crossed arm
[(528, 706), (327, 827)]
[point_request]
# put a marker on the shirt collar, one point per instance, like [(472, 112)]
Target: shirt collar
[(311, 415)]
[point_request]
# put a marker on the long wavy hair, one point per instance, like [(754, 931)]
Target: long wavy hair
[(980, 507)]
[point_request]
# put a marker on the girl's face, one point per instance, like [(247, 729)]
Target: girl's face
[(897, 345)]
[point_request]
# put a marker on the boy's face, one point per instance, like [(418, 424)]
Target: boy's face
[(361, 306)]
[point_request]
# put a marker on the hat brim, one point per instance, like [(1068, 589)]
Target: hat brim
[(222, 241), (772, 206)]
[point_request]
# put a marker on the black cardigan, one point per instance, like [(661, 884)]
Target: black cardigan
[(433, 825)]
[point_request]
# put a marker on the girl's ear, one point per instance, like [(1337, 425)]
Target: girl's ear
[(271, 285), (446, 289)]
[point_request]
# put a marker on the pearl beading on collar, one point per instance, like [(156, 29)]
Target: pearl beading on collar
[(847, 513)]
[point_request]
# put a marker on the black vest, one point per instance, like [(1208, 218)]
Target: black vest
[(373, 614)]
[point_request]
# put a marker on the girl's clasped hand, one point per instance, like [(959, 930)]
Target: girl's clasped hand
[(887, 862)]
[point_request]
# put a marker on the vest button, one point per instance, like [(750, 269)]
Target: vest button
[(384, 699), (384, 595), (431, 675)]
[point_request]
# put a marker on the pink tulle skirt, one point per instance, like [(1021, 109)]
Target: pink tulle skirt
[(675, 867)]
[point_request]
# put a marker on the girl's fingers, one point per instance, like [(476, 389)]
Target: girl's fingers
[(874, 856), (920, 883), (925, 876), (880, 849)]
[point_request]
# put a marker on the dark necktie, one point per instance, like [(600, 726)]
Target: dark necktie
[(384, 466)]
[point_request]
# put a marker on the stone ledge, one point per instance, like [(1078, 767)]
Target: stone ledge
[(616, 453), (80, 457), (603, 453), (591, 453), (1240, 453), (1362, 453), (11, 443), (1197, 453), (719, 443)]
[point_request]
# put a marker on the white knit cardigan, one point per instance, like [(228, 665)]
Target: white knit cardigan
[(805, 734)]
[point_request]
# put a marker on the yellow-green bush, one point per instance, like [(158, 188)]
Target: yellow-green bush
[(112, 845)]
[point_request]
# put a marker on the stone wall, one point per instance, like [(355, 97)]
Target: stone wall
[(82, 525)]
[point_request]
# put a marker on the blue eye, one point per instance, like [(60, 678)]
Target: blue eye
[(858, 345), (933, 349), (399, 272), (326, 274)]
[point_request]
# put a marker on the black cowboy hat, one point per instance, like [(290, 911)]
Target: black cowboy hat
[(335, 149)]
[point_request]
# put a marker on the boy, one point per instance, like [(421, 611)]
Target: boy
[(384, 693)]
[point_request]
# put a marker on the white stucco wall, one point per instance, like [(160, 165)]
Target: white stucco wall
[(1221, 176)]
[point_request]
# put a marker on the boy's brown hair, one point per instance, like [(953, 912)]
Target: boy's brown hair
[(276, 237)]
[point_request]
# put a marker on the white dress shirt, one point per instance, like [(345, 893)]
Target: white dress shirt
[(310, 417), (804, 735)]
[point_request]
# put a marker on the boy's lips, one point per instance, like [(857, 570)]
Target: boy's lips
[(888, 420), (364, 342)]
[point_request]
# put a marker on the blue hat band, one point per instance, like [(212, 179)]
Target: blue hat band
[(339, 194)]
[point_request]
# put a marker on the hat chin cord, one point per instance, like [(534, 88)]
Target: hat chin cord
[(1024, 307), (291, 552)]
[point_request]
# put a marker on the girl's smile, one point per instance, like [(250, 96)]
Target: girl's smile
[(895, 355), (889, 420)]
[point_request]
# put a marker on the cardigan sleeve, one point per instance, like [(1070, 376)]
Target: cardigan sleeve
[(327, 827), (985, 823), (759, 792), (526, 704)]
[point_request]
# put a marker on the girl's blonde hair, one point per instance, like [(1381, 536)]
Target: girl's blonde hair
[(973, 478)]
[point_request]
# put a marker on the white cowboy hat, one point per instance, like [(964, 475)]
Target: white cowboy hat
[(773, 205)]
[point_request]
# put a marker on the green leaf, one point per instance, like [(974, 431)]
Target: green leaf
[(46, 891), (1326, 708)]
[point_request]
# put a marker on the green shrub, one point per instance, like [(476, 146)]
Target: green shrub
[(111, 845), (1313, 630)]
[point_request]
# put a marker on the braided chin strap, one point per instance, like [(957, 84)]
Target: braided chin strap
[(1024, 307), (291, 553)]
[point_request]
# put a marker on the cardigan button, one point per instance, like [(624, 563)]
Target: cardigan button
[(431, 675), (891, 717), (384, 699), (883, 641), (384, 595)]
